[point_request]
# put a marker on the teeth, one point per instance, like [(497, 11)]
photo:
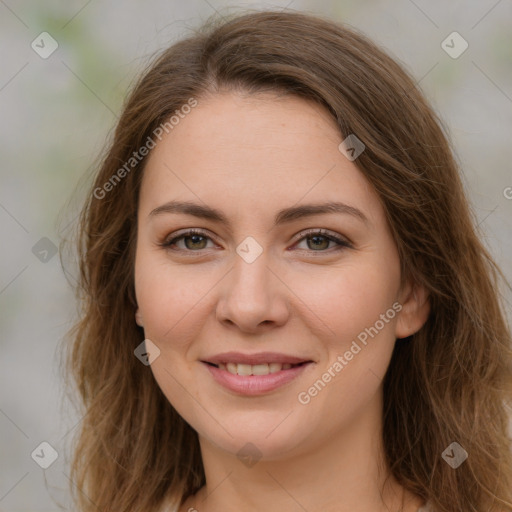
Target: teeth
[(244, 369), (255, 369), (275, 367), (260, 369)]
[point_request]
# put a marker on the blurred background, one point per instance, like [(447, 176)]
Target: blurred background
[(65, 69)]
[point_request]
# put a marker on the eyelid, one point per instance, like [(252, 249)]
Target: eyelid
[(331, 235), (183, 233), (342, 241)]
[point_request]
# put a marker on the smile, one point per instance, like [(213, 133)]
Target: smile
[(256, 369), (256, 374)]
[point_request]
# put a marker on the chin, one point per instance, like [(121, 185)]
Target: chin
[(252, 435)]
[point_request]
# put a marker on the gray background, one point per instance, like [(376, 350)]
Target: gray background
[(57, 112)]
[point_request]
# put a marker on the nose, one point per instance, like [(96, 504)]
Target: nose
[(253, 297)]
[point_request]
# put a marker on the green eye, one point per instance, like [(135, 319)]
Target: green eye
[(321, 240), (194, 235), (196, 240)]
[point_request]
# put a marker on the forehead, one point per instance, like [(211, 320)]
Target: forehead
[(258, 151)]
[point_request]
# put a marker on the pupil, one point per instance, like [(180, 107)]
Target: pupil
[(194, 239), (319, 237)]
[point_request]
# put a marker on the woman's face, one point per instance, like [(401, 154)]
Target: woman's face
[(259, 284)]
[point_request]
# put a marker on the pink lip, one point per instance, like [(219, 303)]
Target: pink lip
[(255, 384)]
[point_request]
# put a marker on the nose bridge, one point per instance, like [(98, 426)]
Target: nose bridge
[(252, 295), (250, 279)]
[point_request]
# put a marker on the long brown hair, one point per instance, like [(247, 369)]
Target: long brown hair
[(450, 382)]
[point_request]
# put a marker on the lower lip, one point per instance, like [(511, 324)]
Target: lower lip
[(255, 384)]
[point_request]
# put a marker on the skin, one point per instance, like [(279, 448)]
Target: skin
[(250, 156)]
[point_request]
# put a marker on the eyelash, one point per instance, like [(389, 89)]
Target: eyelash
[(343, 244)]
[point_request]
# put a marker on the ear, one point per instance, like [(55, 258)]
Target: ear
[(415, 310), (138, 318)]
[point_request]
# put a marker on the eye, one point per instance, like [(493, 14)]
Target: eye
[(321, 238), (317, 240), (194, 240)]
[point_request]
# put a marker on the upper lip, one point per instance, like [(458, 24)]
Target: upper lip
[(259, 358)]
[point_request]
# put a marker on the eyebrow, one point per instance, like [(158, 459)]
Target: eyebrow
[(283, 216)]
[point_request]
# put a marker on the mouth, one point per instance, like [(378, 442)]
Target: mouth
[(255, 369), (255, 374)]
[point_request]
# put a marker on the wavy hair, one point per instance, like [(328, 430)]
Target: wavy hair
[(449, 382)]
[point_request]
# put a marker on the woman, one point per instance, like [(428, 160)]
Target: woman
[(280, 217)]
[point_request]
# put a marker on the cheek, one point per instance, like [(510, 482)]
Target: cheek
[(354, 309), (343, 302), (169, 300), (168, 296)]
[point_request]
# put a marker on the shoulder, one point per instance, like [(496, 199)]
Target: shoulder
[(168, 507), (428, 508), (185, 507)]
